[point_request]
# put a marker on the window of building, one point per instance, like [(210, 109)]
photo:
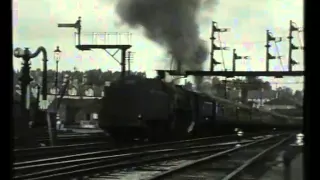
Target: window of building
[(89, 92), (72, 91), (54, 90), (95, 116)]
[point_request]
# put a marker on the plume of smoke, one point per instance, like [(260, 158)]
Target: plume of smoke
[(172, 24)]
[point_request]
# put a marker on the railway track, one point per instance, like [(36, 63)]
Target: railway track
[(88, 163), (29, 154), (241, 162), (55, 151), (247, 161), (65, 139), (66, 144), (74, 138)]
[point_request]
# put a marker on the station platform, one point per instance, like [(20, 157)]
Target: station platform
[(277, 172)]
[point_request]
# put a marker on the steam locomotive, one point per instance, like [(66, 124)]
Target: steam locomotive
[(136, 107)]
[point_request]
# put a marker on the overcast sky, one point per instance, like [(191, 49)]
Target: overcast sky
[(35, 24)]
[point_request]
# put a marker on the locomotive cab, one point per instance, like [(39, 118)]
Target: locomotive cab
[(131, 104)]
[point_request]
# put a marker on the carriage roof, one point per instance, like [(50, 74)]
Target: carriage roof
[(182, 89)]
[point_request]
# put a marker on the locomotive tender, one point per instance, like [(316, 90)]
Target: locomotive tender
[(136, 107)]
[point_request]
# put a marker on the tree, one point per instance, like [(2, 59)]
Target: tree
[(215, 81), (284, 92), (206, 86), (267, 86), (237, 84), (298, 95), (94, 76), (188, 85), (254, 83)]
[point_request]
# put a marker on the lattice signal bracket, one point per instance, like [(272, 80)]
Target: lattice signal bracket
[(103, 38)]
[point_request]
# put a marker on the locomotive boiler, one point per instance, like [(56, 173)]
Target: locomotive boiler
[(136, 107)]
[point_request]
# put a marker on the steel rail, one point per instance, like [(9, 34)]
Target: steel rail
[(119, 157), (128, 148), (81, 169), (123, 150), (56, 151), (206, 159), (249, 162), (93, 167)]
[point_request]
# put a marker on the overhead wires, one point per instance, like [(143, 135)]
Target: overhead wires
[(278, 53), (298, 35)]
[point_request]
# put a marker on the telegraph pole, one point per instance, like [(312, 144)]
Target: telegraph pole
[(236, 57), (291, 46), (129, 58), (215, 29)]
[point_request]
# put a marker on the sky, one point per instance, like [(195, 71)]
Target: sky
[(35, 24)]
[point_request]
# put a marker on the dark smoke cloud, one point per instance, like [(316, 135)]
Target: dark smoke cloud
[(172, 24)]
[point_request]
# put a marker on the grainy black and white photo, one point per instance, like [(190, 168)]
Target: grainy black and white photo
[(158, 89)]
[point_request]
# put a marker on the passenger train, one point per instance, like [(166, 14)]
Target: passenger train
[(136, 107)]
